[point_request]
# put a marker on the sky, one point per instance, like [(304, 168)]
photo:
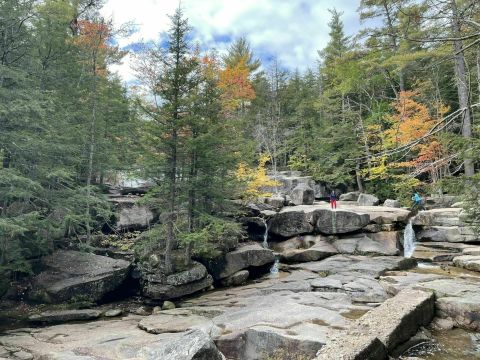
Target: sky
[(290, 30)]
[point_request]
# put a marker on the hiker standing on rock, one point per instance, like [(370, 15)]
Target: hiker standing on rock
[(417, 201), (333, 200)]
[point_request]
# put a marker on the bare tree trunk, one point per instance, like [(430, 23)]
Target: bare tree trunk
[(462, 84), (92, 147)]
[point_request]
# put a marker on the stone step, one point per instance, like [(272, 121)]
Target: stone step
[(382, 329)]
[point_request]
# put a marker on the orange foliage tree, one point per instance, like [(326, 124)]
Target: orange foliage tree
[(411, 124), (237, 90)]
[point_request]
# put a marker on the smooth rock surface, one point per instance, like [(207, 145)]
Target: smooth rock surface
[(70, 274)]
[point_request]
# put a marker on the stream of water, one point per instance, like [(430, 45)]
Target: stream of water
[(265, 234), (409, 240)]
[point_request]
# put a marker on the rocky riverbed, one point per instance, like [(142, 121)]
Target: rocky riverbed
[(343, 288)]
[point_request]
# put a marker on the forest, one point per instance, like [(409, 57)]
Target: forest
[(388, 111)]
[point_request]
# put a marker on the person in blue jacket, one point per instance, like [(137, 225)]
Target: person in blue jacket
[(417, 201)]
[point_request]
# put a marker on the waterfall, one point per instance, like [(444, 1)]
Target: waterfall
[(275, 266), (409, 240), (265, 234)]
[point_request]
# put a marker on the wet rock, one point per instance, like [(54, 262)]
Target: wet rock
[(367, 200), (239, 278), (245, 256), (392, 203), (350, 196), (113, 313), (339, 221), (71, 274), (302, 194), (61, 316), (130, 215)]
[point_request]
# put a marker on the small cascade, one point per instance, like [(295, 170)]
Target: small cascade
[(265, 234), (275, 267), (409, 240)]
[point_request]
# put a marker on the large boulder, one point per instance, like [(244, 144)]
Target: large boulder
[(75, 274), (276, 201), (159, 286), (245, 256), (302, 194), (350, 196), (290, 223), (129, 215), (339, 221), (367, 200)]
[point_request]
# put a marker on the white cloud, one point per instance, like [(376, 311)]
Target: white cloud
[(292, 30)]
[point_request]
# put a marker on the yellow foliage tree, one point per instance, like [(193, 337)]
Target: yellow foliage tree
[(255, 179)]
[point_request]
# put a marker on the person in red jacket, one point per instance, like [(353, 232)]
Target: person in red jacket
[(333, 200)]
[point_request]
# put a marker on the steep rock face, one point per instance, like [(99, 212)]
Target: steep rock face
[(159, 286), (339, 222), (71, 274), (245, 256)]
